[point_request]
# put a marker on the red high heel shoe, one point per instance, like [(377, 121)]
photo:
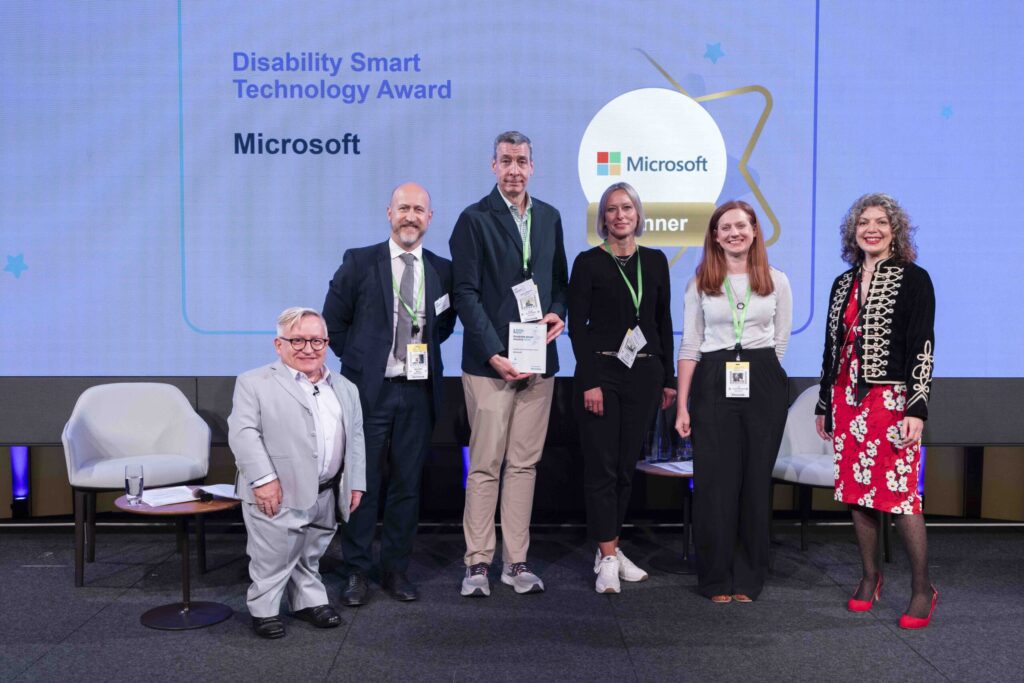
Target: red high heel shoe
[(909, 622), (855, 605)]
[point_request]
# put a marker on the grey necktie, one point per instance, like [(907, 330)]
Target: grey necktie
[(403, 331)]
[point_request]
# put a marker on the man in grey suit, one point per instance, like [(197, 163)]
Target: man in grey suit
[(296, 431)]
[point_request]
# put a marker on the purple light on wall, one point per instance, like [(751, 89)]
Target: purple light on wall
[(920, 472), (19, 472), (465, 465)]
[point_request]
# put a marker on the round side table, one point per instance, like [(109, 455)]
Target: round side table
[(184, 615), (664, 560)]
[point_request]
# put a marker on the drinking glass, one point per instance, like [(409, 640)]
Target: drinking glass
[(133, 483)]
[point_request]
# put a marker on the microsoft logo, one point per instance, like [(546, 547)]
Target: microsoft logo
[(609, 163)]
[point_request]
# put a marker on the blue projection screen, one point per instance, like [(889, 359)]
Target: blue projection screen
[(175, 174)]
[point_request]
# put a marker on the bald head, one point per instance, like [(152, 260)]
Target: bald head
[(409, 214)]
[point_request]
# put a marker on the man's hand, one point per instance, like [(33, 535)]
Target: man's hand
[(555, 326), (668, 397), (356, 497), (503, 366), (819, 426), (268, 497), (593, 401)]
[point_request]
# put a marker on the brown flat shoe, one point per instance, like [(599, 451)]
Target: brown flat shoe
[(721, 599), (740, 597)]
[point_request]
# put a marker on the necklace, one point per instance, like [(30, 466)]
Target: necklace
[(623, 260)]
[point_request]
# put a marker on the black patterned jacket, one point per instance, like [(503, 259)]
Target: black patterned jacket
[(897, 342)]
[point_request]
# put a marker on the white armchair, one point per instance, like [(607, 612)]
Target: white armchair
[(114, 425), (805, 460)]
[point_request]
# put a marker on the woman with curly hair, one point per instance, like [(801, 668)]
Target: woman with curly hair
[(875, 383)]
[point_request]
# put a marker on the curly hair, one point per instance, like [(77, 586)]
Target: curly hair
[(903, 247)]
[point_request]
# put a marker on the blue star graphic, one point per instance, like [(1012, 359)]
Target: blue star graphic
[(714, 52), (947, 112), (16, 265)]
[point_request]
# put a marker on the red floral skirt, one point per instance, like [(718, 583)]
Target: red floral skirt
[(871, 470)]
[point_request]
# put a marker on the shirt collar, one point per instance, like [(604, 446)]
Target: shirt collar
[(298, 375), (397, 251), (511, 205)]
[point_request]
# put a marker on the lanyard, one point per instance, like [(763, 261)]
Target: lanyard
[(526, 242), (737, 320), (419, 296), (634, 294)]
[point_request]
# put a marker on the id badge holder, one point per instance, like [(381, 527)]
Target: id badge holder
[(416, 361), (528, 300), (737, 379), (630, 346)]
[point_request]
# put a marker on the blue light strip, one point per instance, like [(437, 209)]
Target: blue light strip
[(19, 472), (465, 465), (920, 471)]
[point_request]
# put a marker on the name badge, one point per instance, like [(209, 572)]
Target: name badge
[(630, 346), (416, 361), (737, 380), (442, 305), (528, 299)]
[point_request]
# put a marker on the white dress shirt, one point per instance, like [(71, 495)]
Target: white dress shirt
[(396, 367)]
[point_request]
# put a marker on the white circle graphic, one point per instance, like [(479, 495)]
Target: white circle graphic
[(667, 145)]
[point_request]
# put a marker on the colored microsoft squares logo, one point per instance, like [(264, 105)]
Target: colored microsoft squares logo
[(609, 163)]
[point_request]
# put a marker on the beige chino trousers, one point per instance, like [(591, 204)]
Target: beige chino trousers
[(509, 424)]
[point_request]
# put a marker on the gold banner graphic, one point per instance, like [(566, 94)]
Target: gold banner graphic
[(666, 224)]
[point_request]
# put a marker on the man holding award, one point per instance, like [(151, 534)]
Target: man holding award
[(510, 278)]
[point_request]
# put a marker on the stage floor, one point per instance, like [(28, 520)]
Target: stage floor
[(654, 631)]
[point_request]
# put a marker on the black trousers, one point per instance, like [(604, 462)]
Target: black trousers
[(612, 443), (735, 443), (397, 432)]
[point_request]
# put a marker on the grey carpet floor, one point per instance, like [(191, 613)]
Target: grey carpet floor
[(658, 630)]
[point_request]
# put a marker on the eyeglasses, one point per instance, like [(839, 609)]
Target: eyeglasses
[(298, 344)]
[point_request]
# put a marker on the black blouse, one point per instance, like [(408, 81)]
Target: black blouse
[(601, 310)]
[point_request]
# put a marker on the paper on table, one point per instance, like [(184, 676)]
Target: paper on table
[(680, 467), (167, 496), (220, 490), (527, 347)]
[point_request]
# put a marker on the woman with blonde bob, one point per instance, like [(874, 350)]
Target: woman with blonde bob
[(620, 323), (733, 396)]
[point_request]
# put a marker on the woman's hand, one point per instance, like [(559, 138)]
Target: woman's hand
[(911, 429), (819, 426), (668, 397), (593, 401), (683, 426)]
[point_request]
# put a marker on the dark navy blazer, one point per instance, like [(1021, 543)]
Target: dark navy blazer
[(359, 310), (487, 260)]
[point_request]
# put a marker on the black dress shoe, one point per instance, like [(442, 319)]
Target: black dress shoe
[(321, 616), (268, 627), (398, 586), (354, 594)]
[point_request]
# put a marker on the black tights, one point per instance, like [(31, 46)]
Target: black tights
[(915, 541)]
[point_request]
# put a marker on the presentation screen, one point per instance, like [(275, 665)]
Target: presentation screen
[(177, 173)]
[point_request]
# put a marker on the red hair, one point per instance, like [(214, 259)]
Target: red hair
[(711, 270)]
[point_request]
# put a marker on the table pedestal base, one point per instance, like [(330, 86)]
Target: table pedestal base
[(179, 617)]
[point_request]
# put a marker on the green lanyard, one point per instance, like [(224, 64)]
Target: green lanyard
[(526, 242), (637, 297), (737, 321), (419, 298)]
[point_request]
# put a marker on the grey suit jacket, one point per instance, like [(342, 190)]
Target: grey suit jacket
[(271, 430)]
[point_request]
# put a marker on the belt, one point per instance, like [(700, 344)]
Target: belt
[(614, 354), (397, 378), (330, 483)]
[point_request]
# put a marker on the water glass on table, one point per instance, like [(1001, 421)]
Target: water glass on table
[(133, 484)]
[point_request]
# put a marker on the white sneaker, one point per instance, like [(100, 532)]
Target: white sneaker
[(519, 576), (475, 583), (608, 575), (627, 570)]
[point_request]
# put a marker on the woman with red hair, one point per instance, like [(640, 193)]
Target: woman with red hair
[(733, 396)]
